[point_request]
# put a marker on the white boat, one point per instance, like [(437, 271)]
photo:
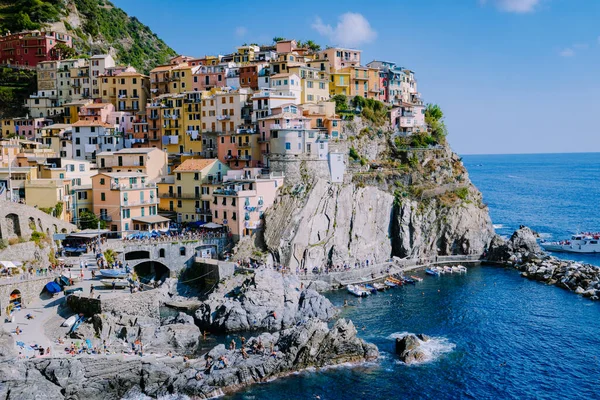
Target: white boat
[(379, 286), (580, 243), (461, 268), (113, 273), (69, 321), (357, 291), (119, 283)]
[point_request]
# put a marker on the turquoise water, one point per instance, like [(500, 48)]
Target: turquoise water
[(495, 334)]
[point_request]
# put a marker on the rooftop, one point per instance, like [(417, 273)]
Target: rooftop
[(195, 164), (150, 219), (123, 174)]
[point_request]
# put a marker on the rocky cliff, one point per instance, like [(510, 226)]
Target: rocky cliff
[(404, 203), (311, 344)]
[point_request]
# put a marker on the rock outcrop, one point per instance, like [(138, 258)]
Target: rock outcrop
[(409, 350), (311, 344), (266, 300), (521, 245)]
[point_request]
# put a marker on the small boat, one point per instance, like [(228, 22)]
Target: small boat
[(410, 281), (379, 286), (355, 290), (397, 281), (119, 283), (389, 283), (447, 269), (430, 271), (73, 278), (69, 322), (113, 273), (417, 278), (462, 268), (371, 288)]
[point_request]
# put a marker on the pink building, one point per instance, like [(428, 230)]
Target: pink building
[(207, 77), (283, 117), (242, 199), (98, 112)]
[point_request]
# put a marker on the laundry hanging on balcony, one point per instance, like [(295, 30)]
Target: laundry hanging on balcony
[(90, 148), (174, 139), (194, 135)]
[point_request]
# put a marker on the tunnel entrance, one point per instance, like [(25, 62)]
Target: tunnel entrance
[(152, 270)]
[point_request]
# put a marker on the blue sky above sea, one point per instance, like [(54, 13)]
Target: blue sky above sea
[(512, 76)]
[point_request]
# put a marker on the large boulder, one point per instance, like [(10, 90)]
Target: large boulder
[(522, 246), (408, 348), (267, 300)]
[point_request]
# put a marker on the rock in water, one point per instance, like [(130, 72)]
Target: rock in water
[(522, 244), (408, 348)]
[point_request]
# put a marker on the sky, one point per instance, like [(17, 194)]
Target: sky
[(512, 76)]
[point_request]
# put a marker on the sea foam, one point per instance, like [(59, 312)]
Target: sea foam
[(435, 347)]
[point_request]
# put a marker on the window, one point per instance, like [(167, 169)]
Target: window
[(234, 216), (309, 84), (178, 176), (81, 167), (102, 181), (216, 214), (102, 196), (288, 146)]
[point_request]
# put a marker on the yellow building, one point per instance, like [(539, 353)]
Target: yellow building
[(51, 192), (364, 81), (189, 191), (314, 83), (72, 109), (245, 54), (127, 91), (181, 78), (339, 83)]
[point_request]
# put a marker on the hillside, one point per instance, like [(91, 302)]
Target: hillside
[(97, 26)]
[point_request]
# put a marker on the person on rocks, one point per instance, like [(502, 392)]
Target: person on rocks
[(223, 361), (243, 340), (232, 344), (260, 347), (244, 353)]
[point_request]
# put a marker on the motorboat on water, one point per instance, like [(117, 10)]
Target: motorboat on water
[(357, 291), (118, 283), (579, 243), (113, 273), (379, 286), (417, 278), (389, 283), (431, 271), (370, 288)]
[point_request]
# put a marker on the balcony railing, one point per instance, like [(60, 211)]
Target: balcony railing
[(287, 126), (203, 211), (106, 218), (222, 117), (128, 186)]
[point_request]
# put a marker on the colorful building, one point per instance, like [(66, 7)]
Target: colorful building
[(149, 161), (239, 203), (31, 47)]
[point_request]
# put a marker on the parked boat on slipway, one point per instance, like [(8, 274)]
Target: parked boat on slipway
[(579, 243)]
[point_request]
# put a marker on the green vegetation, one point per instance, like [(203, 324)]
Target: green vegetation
[(110, 256), (135, 43), (354, 154), (15, 86), (462, 193), (37, 238), (372, 110), (55, 211), (89, 220), (23, 15), (104, 26), (434, 118)]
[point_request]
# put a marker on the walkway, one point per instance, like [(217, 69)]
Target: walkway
[(382, 270)]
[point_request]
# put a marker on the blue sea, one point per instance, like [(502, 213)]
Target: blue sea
[(495, 334)]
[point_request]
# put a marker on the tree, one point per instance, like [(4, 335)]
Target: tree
[(63, 52), (434, 120), (312, 45), (89, 220), (278, 39), (341, 102)]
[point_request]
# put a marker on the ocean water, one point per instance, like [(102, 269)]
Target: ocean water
[(495, 334)]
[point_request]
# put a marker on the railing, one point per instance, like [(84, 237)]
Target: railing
[(203, 211), (106, 218), (127, 203), (125, 186), (222, 117), (287, 126)]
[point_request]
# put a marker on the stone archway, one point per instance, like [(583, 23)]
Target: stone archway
[(148, 270), (15, 297), (12, 225)]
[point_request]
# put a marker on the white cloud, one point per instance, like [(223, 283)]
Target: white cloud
[(515, 6), (352, 29), (241, 31), (568, 52)]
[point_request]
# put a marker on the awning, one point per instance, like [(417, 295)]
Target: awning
[(8, 264), (151, 219), (88, 233), (212, 225)]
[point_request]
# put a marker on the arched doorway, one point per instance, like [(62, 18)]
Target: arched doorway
[(151, 270), (15, 298)]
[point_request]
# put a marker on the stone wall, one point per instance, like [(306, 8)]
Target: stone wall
[(21, 220), (207, 272), (30, 290), (145, 304), (27, 253), (298, 169)]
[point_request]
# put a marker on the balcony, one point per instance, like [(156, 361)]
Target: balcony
[(203, 211), (287, 126), (222, 117), (407, 122), (104, 217), (127, 203), (154, 116), (132, 186), (244, 144)]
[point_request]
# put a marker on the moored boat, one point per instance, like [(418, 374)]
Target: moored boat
[(113, 273), (430, 271), (371, 288), (118, 283), (410, 281), (357, 291), (580, 243), (389, 283), (379, 286), (417, 278)]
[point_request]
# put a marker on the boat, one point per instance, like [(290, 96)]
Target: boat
[(72, 278), (579, 243), (433, 272), (417, 278), (379, 286), (119, 283), (397, 281), (462, 268), (447, 269), (371, 288), (410, 281), (355, 290), (389, 283), (70, 321), (113, 273)]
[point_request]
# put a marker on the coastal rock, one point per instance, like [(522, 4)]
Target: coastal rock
[(7, 345), (266, 300), (408, 348), (311, 344), (521, 247)]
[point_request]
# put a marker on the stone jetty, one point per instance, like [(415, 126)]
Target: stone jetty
[(523, 253)]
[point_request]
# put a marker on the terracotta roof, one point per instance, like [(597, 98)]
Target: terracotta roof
[(92, 123), (129, 74), (162, 68), (98, 105), (195, 164)]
